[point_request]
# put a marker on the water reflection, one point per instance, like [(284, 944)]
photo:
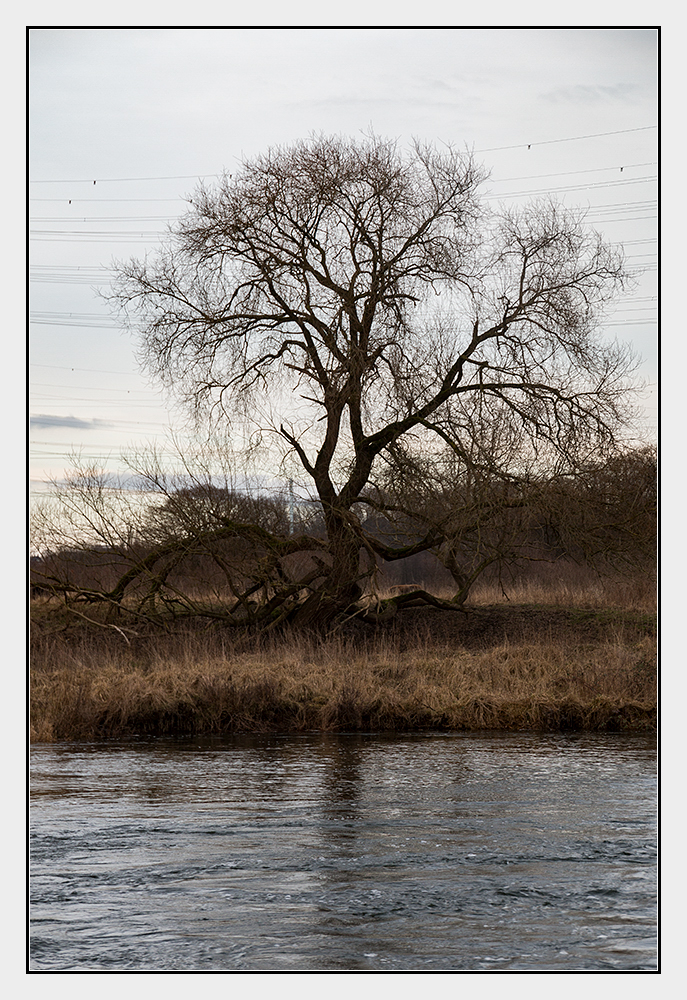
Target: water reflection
[(427, 852)]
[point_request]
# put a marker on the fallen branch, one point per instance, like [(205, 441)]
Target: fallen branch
[(121, 631)]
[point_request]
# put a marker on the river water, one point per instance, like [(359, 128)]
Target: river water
[(346, 852)]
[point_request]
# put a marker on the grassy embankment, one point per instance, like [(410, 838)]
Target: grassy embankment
[(548, 659)]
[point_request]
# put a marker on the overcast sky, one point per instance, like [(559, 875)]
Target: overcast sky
[(144, 113)]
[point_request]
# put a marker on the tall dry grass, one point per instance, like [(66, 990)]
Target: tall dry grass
[(91, 680), (571, 585), (86, 686), (560, 583)]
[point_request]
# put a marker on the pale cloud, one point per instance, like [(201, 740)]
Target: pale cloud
[(54, 420), (592, 94)]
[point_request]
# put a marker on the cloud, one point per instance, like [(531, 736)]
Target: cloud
[(54, 420), (591, 94)]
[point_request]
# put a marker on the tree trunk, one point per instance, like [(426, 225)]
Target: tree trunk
[(341, 588)]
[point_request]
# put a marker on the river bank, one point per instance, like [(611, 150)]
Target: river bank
[(517, 668)]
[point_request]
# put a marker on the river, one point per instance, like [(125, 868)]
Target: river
[(344, 852)]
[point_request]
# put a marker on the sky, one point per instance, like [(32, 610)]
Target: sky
[(123, 123)]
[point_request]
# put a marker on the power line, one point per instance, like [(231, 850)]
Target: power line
[(183, 202), (62, 455), (66, 368), (117, 180), (631, 322), (568, 173), (42, 396), (47, 313), (104, 238), (572, 187), (104, 201), (634, 218), (490, 149), (572, 138), (98, 388), (167, 218), (92, 232), (74, 322)]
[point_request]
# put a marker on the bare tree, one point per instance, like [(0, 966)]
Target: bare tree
[(358, 302), (163, 542), (489, 508), (605, 514), (476, 496)]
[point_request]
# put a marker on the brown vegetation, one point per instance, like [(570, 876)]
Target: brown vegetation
[(502, 666)]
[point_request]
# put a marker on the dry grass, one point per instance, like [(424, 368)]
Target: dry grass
[(577, 587), (88, 684), (556, 584), (561, 649)]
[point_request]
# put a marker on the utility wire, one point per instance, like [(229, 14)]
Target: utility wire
[(490, 149), (572, 138), (67, 368), (568, 173), (123, 180), (595, 185), (100, 388)]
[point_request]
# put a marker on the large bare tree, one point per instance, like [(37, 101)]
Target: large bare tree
[(363, 303)]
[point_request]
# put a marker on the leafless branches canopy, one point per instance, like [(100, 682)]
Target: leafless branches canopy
[(370, 298)]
